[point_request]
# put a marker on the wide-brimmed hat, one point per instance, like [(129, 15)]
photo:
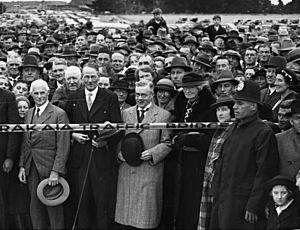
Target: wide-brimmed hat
[(165, 84), (94, 50), (248, 90), (277, 62), (208, 45), (287, 45), (190, 39), (35, 52), (120, 84), (233, 34), (179, 62), (282, 180), (233, 53), (293, 55), (69, 51), (158, 42), (123, 47), (53, 195), (132, 147), (30, 61), (225, 76), (203, 59), (223, 100), (192, 79)]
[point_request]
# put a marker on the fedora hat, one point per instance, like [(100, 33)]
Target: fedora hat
[(223, 100), (49, 41), (120, 84), (30, 61), (158, 42), (248, 90), (208, 45), (225, 76), (53, 195), (179, 62), (35, 52), (287, 45), (93, 51), (132, 146), (190, 39), (123, 47), (203, 59), (22, 31), (34, 32), (233, 53), (277, 62), (165, 84), (233, 34), (293, 55), (69, 51), (192, 79)]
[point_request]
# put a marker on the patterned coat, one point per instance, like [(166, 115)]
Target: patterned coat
[(139, 194)]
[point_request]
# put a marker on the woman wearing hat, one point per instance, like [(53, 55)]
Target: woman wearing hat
[(284, 85), (225, 113), (121, 88), (283, 212), (165, 94)]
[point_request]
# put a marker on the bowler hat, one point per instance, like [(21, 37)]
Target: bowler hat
[(282, 180), (295, 107), (223, 100), (225, 76), (192, 79), (30, 61), (53, 195), (293, 55), (165, 84), (277, 62), (179, 62), (132, 147), (248, 90), (203, 59), (120, 84)]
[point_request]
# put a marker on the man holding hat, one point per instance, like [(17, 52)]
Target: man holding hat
[(289, 145), (44, 156), (140, 181), (249, 158)]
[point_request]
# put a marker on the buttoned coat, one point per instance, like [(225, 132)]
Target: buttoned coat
[(139, 193), (49, 150)]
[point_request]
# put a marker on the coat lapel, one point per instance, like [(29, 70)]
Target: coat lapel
[(150, 116), (98, 102), (46, 114), (82, 104)]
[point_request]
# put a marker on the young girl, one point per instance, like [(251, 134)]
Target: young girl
[(283, 210)]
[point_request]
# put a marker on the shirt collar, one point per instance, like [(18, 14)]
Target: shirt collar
[(279, 209), (93, 92), (42, 107), (146, 108)]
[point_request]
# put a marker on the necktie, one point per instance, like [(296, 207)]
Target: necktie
[(38, 112), (142, 114), (89, 102)]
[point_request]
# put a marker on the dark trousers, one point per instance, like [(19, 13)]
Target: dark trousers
[(118, 226), (42, 216)]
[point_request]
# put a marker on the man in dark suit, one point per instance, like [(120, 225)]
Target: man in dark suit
[(93, 105), (215, 29), (9, 146), (44, 155)]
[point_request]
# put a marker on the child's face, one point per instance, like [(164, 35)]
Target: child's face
[(280, 195)]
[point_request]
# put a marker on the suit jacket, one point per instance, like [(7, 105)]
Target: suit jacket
[(212, 33), (269, 99), (48, 150), (139, 194), (289, 153)]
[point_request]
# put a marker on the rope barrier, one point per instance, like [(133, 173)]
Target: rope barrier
[(4, 128)]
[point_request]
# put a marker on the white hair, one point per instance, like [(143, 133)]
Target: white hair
[(73, 71), (39, 82)]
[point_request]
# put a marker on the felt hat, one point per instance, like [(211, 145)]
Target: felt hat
[(216, 17), (225, 76), (122, 48), (192, 79), (30, 61), (34, 32), (277, 62), (223, 100), (203, 59), (287, 45), (53, 195), (139, 48), (158, 42), (293, 55), (190, 39), (165, 84), (94, 50), (132, 146), (248, 90), (69, 51), (35, 52), (208, 45), (233, 53), (179, 62), (295, 107), (120, 84), (282, 180), (233, 34), (21, 32), (49, 41)]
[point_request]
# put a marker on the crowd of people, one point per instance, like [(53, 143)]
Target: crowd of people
[(243, 175)]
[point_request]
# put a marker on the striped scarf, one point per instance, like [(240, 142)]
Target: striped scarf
[(214, 153)]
